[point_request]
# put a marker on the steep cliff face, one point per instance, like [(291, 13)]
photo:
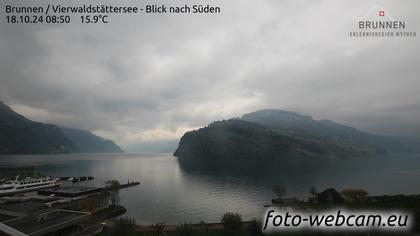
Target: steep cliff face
[(19, 135), (87, 142), (232, 139)]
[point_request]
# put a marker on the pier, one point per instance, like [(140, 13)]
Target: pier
[(129, 184)]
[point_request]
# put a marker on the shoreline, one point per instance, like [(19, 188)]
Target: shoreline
[(171, 227)]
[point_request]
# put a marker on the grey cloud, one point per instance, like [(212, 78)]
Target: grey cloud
[(158, 76)]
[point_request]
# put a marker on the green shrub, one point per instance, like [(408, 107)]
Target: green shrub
[(185, 229), (203, 227), (255, 228), (232, 222), (124, 226)]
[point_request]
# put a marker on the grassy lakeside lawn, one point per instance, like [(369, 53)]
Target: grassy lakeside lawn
[(231, 224), (109, 212), (402, 203), (242, 232), (210, 232)]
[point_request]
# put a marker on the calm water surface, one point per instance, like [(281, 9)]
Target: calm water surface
[(172, 192)]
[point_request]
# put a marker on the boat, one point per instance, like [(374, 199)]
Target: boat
[(10, 187)]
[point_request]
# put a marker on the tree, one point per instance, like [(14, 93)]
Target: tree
[(255, 228), (279, 190), (354, 194), (158, 228), (113, 187), (232, 222), (88, 204), (185, 229), (330, 196), (203, 227), (124, 226), (313, 191), (113, 184)]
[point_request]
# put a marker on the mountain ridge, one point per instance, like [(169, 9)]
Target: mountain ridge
[(87, 142), (305, 125), (19, 135), (276, 134)]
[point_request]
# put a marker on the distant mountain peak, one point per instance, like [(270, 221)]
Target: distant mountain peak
[(279, 115), (88, 142), (19, 135), (6, 113), (3, 106)]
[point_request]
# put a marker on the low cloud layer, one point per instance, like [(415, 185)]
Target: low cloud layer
[(147, 78)]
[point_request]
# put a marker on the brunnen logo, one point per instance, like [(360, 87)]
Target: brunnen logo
[(378, 23)]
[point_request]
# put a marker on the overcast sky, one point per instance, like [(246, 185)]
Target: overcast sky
[(152, 77)]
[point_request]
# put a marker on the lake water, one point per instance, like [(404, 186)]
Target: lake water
[(172, 192)]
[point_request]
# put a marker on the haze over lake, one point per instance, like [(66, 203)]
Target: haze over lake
[(172, 192)]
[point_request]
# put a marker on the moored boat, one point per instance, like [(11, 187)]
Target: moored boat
[(10, 187)]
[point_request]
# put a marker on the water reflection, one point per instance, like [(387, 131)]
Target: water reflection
[(173, 191)]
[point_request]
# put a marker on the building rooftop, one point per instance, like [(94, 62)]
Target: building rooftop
[(6, 218), (70, 191), (26, 207), (20, 208), (46, 222)]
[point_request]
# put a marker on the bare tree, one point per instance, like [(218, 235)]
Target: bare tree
[(313, 191), (354, 194), (88, 204), (279, 190), (113, 187)]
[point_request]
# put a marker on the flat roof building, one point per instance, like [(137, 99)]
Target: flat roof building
[(70, 191), (44, 223), (33, 206)]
